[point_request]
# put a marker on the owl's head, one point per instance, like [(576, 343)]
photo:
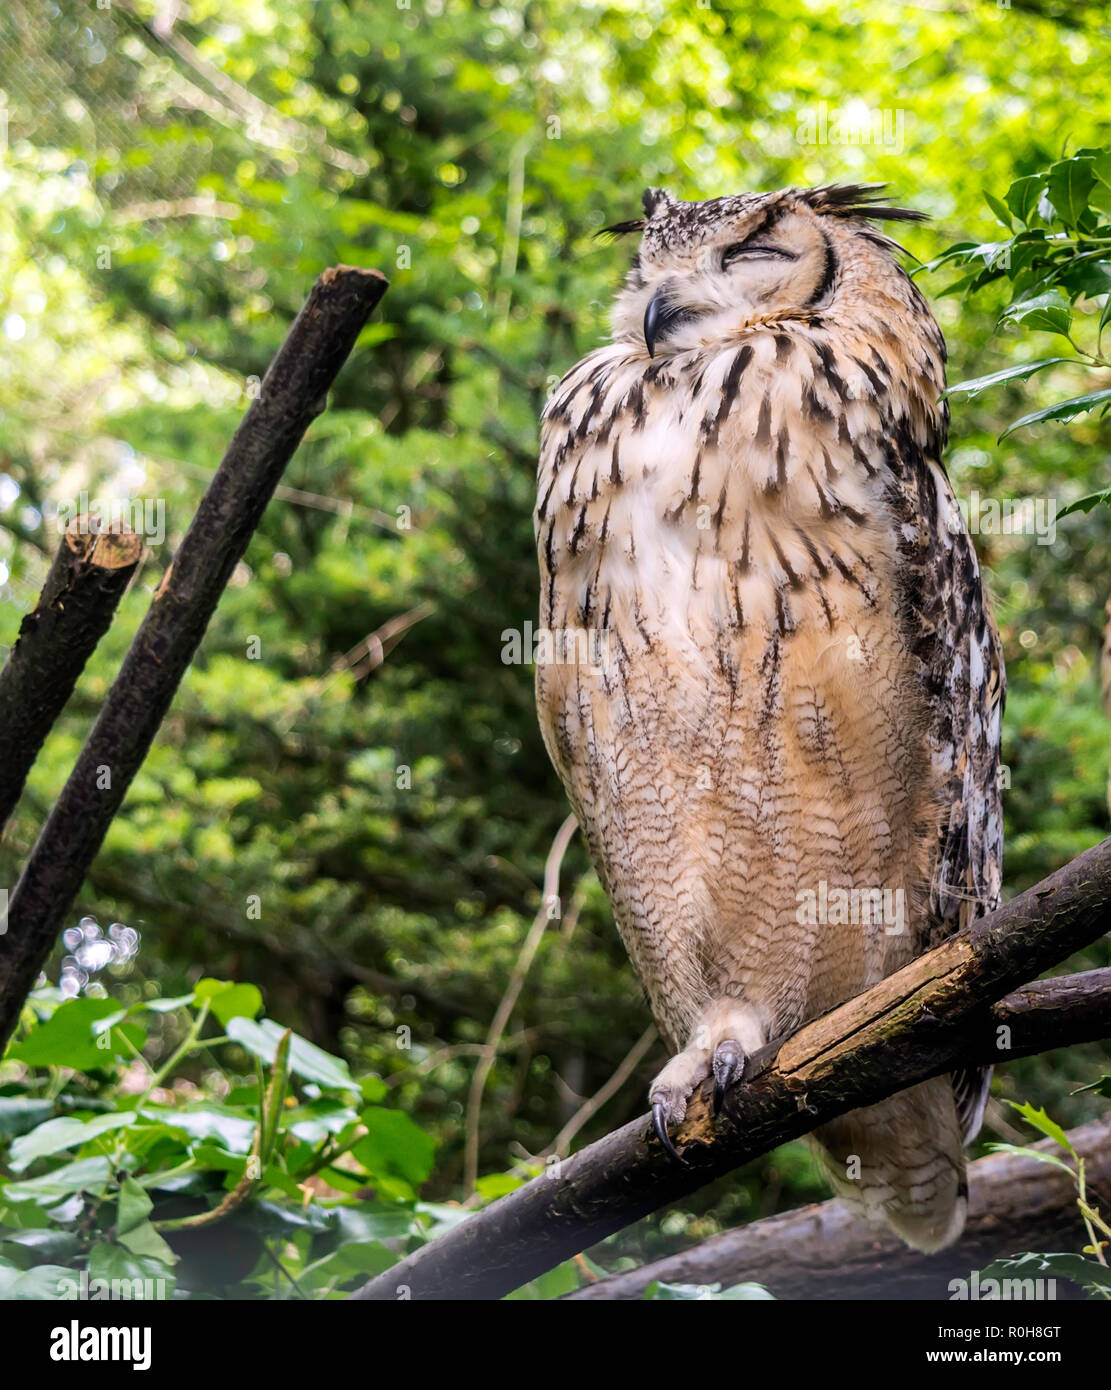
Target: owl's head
[(707, 269)]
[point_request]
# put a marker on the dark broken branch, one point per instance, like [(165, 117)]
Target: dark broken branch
[(929, 1017), (1015, 1203), (85, 583), (292, 394)]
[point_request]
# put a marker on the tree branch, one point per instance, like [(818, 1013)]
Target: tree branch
[(85, 583), (292, 394), (1015, 1203), (924, 1020)]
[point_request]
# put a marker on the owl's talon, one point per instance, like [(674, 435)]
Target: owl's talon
[(728, 1068), (659, 1124)]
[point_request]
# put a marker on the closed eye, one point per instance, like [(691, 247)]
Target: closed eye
[(753, 251)]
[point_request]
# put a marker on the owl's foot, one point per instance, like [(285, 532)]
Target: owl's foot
[(725, 1033), (728, 1067), (670, 1091)]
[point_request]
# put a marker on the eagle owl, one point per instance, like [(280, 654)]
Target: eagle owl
[(782, 738)]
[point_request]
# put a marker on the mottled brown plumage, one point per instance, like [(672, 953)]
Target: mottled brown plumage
[(743, 496)]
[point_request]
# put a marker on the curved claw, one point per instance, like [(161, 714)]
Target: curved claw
[(728, 1068), (659, 1124)]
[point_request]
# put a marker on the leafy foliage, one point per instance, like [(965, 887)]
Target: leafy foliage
[(1089, 1269), (350, 805), (1056, 265), (292, 1183)]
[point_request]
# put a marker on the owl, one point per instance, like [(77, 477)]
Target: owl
[(772, 686)]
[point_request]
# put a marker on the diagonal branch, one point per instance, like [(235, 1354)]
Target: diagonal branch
[(292, 394), (926, 1019), (1015, 1203)]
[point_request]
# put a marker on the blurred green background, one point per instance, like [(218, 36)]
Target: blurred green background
[(175, 177)]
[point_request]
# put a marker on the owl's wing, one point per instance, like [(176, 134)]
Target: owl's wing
[(958, 644)]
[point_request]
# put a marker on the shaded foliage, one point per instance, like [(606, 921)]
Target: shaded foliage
[(359, 828)]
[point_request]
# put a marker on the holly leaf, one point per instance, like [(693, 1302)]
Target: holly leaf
[(1022, 372), (1063, 410)]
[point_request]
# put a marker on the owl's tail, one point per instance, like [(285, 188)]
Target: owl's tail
[(902, 1162)]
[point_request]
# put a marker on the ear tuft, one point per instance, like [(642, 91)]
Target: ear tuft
[(622, 228), (857, 200), (657, 202)]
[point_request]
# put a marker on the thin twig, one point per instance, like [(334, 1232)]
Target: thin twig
[(509, 1000), (590, 1108)]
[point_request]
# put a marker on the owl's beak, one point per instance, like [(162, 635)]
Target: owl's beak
[(657, 318)]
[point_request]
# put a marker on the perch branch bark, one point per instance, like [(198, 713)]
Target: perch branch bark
[(292, 394), (1015, 1203), (922, 1021), (85, 583)]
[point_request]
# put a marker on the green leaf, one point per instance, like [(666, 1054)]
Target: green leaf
[(364, 1259), (1070, 182), (167, 1006), (498, 1184), (1024, 195), (1049, 312), (395, 1147), (143, 1239), (1101, 166), (1022, 372), (701, 1292), (1040, 1120), (1085, 1272), (115, 1265), (66, 1039), (1103, 1085), (228, 1000), (231, 1131), (373, 1089), (65, 1133), (18, 1114), (1088, 504), (45, 1243), (83, 1175), (1063, 410), (553, 1284), (134, 1206), (1036, 1154), (313, 1063), (42, 1284), (352, 1225), (1000, 209), (313, 1123)]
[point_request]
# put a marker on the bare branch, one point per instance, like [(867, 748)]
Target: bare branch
[(86, 581), (1015, 1203), (929, 1017), (293, 392)]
